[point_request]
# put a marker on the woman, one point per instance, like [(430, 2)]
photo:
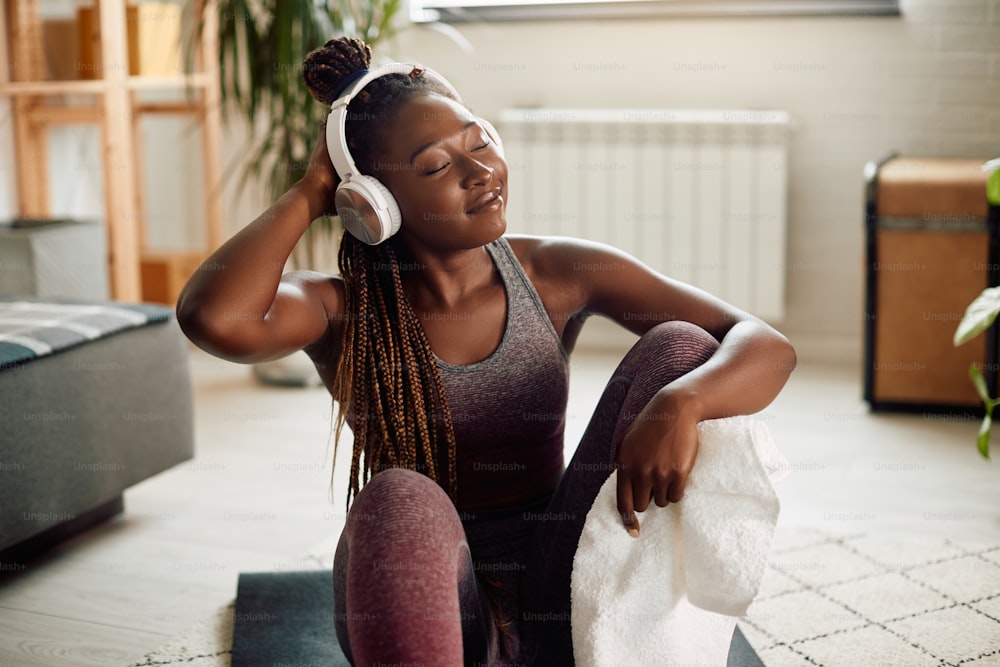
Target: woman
[(446, 347)]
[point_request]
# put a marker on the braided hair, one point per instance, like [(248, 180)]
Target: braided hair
[(387, 381)]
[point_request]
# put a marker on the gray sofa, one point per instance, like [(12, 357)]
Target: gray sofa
[(83, 422)]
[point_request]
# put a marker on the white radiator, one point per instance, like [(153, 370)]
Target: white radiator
[(698, 195)]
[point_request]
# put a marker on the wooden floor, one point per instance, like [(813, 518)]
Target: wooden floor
[(257, 495)]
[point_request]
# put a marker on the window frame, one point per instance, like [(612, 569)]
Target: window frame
[(470, 11)]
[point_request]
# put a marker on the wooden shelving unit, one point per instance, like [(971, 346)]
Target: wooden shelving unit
[(135, 272)]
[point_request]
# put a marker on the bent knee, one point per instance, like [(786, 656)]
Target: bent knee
[(398, 494), (681, 338), (672, 349), (680, 331)]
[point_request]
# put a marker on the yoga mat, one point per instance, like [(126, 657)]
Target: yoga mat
[(287, 618)]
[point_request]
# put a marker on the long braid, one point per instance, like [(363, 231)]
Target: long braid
[(387, 381), (431, 399)]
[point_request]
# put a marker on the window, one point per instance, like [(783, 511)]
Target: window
[(458, 11)]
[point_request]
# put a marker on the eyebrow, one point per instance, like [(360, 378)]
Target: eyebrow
[(436, 141)]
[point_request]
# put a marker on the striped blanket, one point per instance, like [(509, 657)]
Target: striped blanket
[(37, 328)]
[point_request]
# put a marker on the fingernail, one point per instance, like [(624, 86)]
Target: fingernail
[(634, 532)]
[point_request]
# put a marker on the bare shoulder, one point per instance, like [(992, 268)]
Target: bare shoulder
[(324, 298), (555, 255), (574, 263), (316, 297), (595, 278), (566, 272), (322, 288)]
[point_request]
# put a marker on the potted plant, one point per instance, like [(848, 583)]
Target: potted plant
[(978, 317), (262, 45)]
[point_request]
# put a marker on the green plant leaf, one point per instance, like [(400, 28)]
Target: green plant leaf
[(993, 184), (979, 315), (979, 382), (983, 441)]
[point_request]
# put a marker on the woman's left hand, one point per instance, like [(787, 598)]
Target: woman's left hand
[(655, 456)]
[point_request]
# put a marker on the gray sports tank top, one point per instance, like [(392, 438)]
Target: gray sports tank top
[(509, 410)]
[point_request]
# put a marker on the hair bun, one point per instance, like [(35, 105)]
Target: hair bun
[(326, 67)]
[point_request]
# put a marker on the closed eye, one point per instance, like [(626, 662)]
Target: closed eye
[(439, 169), (445, 165)]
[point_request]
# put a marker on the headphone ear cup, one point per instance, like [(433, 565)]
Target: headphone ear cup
[(493, 134), (367, 209)]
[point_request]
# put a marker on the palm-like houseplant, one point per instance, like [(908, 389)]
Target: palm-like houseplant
[(262, 44)]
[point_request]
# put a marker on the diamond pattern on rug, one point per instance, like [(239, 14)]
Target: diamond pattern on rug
[(776, 583), (857, 599), (896, 553), (815, 616), (992, 555), (826, 564), (870, 645), (978, 576), (989, 606), (779, 656), (953, 634), (885, 597)]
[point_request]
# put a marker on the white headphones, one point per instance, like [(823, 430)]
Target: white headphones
[(365, 206)]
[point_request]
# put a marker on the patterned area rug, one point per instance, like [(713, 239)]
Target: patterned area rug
[(206, 644), (832, 600), (864, 599)]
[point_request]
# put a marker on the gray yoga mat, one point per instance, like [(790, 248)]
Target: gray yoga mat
[(287, 618)]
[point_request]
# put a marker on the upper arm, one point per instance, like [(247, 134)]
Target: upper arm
[(305, 309), (308, 306), (752, 362), (609, 282)]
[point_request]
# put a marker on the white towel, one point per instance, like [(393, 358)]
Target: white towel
[(672, 595)]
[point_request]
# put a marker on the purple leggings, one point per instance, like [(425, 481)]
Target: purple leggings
[(416, 582)]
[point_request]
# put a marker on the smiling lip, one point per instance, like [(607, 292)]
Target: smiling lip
[(487, 202)]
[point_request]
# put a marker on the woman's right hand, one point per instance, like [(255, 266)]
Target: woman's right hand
[(320, 173)]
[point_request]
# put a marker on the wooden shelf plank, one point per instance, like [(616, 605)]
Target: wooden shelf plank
[(193, 80), (65, 114), (168, 108), (61, 114), (31, 88)]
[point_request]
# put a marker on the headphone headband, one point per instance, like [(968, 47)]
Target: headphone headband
[(348, 80)]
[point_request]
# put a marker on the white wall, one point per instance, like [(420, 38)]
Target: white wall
[(926, 83)]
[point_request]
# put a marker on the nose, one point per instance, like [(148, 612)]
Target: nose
[(477, 173)]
